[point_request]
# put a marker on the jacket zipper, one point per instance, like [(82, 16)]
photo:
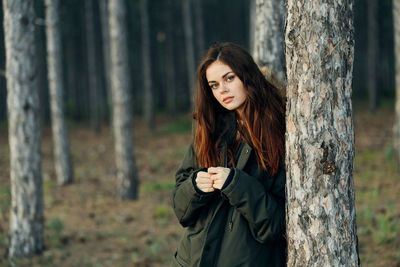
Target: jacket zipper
[(232, 214), (231, 219)]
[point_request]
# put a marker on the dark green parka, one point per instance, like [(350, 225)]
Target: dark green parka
[(241, 225)]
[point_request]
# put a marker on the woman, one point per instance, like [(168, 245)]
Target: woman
[(230, 188)]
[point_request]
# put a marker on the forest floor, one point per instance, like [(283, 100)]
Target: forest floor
[(86, 226)]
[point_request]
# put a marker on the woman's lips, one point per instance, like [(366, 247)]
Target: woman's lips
[(228, 100)]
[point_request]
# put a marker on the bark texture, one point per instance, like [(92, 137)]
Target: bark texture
[(321, 217), (269, 36), (396, 27), (146, 63), (26, 213), (127, 181), (62, 156), (189, 43), (372, 53)]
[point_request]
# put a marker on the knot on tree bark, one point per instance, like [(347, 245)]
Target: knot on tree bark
[(327, 161), (24, 20)]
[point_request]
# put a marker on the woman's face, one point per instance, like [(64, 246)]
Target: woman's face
[(226, 86)]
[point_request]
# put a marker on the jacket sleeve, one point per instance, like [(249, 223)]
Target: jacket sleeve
[(264, 210), (187, 199)]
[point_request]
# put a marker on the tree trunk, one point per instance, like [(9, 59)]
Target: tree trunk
[(105, 31), (26, 218), (188, 30), (321, 217), (92, 63), (170, 68), (372, 53), (62, 157), (3, 95), (127, 180), (146, 63), (268, 37), (198, 15), (396, 27)]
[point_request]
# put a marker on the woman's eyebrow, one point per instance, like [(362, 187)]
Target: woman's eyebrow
[(223, 76)]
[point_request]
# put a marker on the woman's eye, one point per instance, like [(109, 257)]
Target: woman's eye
[(214, 86), (230, 78)]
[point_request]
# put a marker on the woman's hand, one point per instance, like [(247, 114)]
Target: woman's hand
[(204, 182), (218, 176)]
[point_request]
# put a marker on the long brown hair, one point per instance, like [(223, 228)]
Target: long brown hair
[(263, 113)]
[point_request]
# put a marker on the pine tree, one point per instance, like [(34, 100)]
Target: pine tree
[(268, 43), (321, 216), (26, 216), (127, 180), (62, 156)]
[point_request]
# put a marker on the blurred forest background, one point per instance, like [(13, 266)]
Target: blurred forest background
[(85, 224)]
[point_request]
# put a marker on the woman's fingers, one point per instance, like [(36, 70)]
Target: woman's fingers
[(204, 182), (203, 177), (213, 170), (218, 170), (203, 174), (201, 180), (218, 175), (214, 178), (218, 185)]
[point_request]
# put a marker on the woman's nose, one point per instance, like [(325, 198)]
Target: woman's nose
[(224, 88)]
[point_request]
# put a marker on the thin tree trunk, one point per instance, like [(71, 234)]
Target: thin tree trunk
[(26, 218), (321, 216), (146, 63), (92, 73), (198, 14), (62, 156), (268, 36), (127, 180), (372, 53), (106, 52), (170, 68), (188, 30), (396, 27)]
